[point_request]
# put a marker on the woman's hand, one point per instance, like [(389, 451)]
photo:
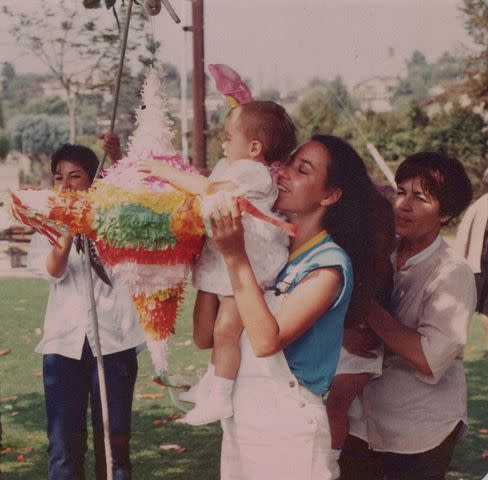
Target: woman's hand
[(360, 341), (111, 145), (57, 260), (227, 231)]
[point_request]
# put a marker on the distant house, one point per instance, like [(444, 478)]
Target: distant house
[(375, 93)]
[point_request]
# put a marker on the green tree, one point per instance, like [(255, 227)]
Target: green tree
[(79, 51), (48, 105), (2, 120), (8, 71), (422, 76), (326, 109), (36, 134), (4, 144), (21, 90), (476, 22)]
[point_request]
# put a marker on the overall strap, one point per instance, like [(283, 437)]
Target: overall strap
[(283, 285)]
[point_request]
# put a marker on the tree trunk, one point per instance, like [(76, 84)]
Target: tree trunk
[(72, 107)]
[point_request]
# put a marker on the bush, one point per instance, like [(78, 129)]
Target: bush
[(4, 144), (35, 134)]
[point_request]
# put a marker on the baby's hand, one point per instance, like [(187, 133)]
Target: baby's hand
[(153, 167)]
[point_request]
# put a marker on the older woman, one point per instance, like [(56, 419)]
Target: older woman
[(293, 335), (416, 410)]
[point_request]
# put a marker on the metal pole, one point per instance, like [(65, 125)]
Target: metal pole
[(184, 84), (89, 279), (119, 76), (92, 311), (199, 118)]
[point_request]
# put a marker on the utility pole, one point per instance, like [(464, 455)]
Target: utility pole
[(184, 83), (199, 147)]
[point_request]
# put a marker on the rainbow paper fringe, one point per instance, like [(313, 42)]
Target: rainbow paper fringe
[(157, 311)]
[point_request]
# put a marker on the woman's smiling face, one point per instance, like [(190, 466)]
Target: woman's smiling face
[(302, 181), (71, 176)]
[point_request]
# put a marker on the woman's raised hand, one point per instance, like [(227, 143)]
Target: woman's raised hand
[(111, 145), (225, 220)]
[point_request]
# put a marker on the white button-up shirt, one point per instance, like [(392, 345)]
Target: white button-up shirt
[(408, 412), (67, 321)]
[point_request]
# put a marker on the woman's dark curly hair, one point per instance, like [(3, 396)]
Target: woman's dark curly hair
[(361, 222)]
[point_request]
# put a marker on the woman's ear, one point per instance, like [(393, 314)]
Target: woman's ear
[(445, 219), (332, 195), (255, 148)]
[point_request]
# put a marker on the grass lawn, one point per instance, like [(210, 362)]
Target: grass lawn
[(22, 304)]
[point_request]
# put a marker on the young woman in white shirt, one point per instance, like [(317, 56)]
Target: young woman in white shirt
[(69, 366)]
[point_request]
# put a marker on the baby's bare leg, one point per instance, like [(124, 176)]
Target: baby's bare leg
[(344, 388), (228, 329), (204, 316)]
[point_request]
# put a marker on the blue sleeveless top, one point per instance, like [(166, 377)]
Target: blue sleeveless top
[(314, 355)]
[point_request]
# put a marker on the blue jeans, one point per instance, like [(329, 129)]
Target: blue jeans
[(68, 386)]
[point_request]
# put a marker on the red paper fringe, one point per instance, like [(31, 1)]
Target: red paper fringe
[(185, 251), (73, 210)]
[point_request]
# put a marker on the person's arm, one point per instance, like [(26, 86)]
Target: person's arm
[(404, 341), (204, 315), (111, 145), (360, 342), (57, 259), (442, 326), (270, 333), (190, 182)]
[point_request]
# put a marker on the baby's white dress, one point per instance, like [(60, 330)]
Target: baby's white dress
[(266, 244)]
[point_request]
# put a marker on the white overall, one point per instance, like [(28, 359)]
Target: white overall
[(279, 429)]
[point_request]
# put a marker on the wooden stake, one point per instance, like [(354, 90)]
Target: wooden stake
[(199, 119)]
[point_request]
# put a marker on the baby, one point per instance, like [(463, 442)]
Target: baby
[(256, 134)]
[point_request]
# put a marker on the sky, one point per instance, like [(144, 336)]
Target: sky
[(285, 43)]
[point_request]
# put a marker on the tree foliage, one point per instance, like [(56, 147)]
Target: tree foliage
[(48, 105), (399, 133), (81, 51), (421, 76), (4, 144), (36, 134), (476, 22)]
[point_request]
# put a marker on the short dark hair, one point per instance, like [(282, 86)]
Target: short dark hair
[(269, 123), (441, 176), (84, 157)]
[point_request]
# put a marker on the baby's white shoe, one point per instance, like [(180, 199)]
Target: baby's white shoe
[(201, 389), (190, 395), (216, 405)]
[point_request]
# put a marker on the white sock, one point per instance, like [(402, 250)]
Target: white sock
[(210, 370), (215, 405), (222, 386)]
